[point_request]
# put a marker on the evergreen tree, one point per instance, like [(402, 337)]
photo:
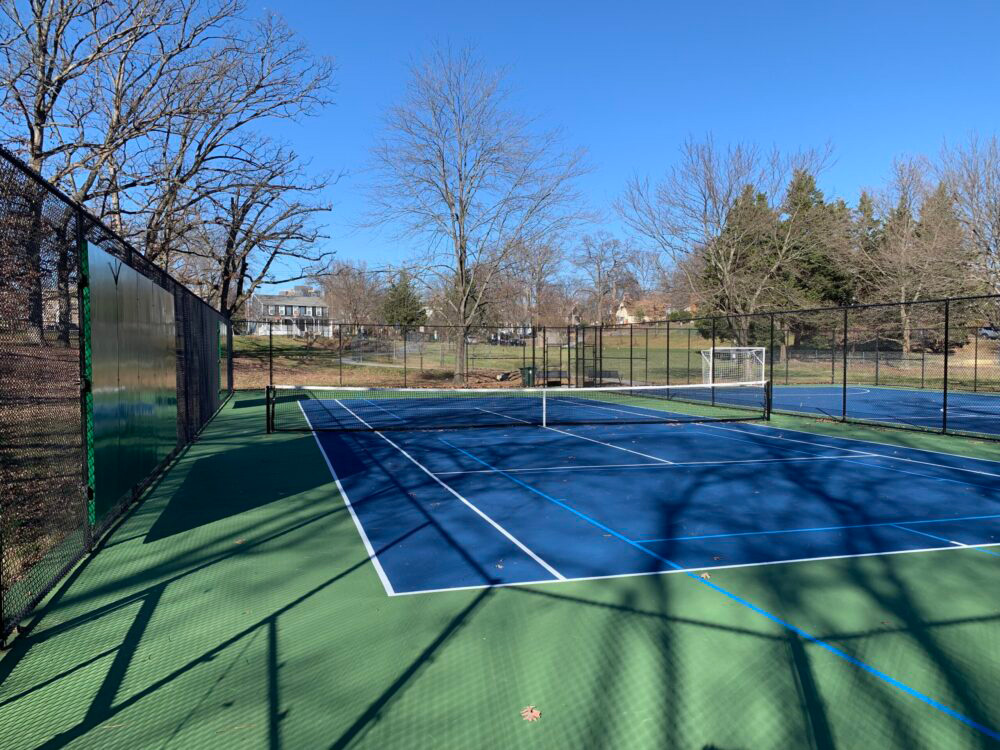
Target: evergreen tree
[(402, 305)]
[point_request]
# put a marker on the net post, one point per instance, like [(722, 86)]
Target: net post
[(947, 345), (768, 400), (843, 385)]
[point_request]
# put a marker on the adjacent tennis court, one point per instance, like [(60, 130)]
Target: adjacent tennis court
[(922, 408)]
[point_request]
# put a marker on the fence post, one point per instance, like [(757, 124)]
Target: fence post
[(534, 347), (340, 351), (569, 359), (631, 378), (788, 356), (668, 351), (688, 366), (843, 385), (975, 360), (86, 381), (646, 359), (833, 356), (270, 352), (923, 358), (404, 357), (711, 363), (876, 356), (947, 346), (545, 357), (770, 351)]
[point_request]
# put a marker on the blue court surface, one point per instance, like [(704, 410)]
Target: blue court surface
[(967, 412), (452, 509)]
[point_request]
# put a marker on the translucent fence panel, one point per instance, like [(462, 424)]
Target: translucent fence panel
[(107, 366)]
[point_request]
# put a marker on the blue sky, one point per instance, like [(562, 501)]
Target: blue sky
[(629, 81)]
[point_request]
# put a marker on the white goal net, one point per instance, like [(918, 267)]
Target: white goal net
[(733, 364)]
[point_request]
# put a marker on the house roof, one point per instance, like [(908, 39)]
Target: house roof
[(290, 299)]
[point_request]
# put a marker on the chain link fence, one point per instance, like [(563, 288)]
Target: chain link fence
[(931, 365), (108, 366)]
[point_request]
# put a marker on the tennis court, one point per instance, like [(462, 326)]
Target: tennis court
[(628, 496), (923, 408)]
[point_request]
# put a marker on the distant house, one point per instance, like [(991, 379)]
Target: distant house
[(641, 310), (295, 312)]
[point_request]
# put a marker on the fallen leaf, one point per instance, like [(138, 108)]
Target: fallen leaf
[(530, 713), (238, 541), (706, 576), (716, 557)]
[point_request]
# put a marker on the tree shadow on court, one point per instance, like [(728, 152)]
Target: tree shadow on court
[(910, 598)]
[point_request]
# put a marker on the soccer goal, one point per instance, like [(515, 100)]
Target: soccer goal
[(733, 364)]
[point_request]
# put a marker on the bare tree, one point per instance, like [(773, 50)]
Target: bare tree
[(972, 172), (608, 266), (726, 208), (142, 109), (353, 292), (199, 152), (458, 168), (535, 269), (48, 47), (258, 229), (922, 253)]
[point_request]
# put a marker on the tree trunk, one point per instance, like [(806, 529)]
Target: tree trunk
[(36, 272), (62, 287), (907, 329), (460, 345)]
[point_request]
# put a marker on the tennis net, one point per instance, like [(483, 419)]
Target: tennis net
[(317, 408)]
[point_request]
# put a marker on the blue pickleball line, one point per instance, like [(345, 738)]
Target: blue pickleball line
[(888, 679)]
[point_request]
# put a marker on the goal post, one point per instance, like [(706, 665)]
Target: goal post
[(734, 364)]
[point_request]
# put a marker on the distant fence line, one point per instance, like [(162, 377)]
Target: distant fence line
[(108, 367), (936, 347)]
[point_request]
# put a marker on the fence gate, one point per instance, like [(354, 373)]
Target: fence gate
[(588, 354)]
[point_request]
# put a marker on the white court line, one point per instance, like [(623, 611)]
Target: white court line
[(350, 509), (873, 442), (369, 401), (581, 437), (672, 571), (609, 445), (679, 464), (478, 512), (855, 450)]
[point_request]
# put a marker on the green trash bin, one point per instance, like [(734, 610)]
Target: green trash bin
[(527, 376)]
